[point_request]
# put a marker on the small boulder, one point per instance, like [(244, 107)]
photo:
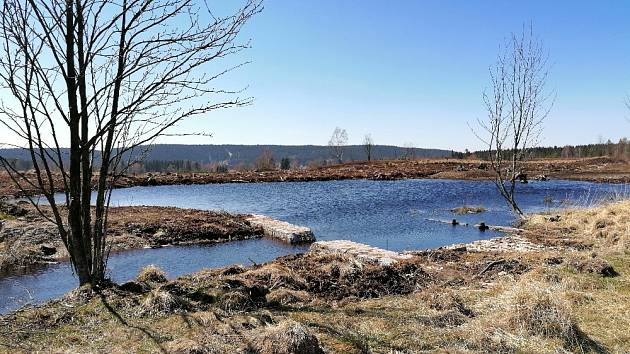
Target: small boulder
[(48, 250)]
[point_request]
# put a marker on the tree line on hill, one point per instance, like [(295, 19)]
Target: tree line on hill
[(169, 158), (619, 150)]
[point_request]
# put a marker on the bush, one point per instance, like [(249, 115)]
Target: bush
[(221, 168), (285, 163)]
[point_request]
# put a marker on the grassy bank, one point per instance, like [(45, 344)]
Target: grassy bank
[(568, 291)]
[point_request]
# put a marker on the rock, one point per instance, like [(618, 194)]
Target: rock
[(48, 250), (358, 250), (554, 218), (521, 177), (281, 230), (483, 226)]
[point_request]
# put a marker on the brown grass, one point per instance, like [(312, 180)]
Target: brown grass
[(161, 303), (466, 209), (288, 337), (151, 274)]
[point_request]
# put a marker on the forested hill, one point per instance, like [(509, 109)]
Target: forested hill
[(235, 155), (247, 154)]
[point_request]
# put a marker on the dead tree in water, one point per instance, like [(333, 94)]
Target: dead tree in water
[(337, 143), (517, 106), (89, 82)]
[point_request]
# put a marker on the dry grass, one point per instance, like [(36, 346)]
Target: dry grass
[(4, 216), (606, 228), (541, 310), (467, 209), (288, 337), (151, 274), (284, 297), (161, 303)]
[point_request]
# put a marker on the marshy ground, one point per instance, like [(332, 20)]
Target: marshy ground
[(568, 291)]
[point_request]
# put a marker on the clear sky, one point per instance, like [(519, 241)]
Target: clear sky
[(414, 71)]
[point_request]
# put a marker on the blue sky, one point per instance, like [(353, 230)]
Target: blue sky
[(414, 71)]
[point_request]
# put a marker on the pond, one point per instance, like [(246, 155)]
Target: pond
[(386, 214)]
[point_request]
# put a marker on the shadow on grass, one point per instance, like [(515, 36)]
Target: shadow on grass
[(586, 344), (154, 337)]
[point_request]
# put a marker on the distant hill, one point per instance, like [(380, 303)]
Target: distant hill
[(247, 154), (235, 155)]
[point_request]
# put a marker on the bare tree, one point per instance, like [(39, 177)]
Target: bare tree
[(409, 151), (337, 143), (266, 161), (104, 78), (517, 105), (368, 146)]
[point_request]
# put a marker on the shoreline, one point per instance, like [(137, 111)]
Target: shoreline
[(598, 170), (29, 241)]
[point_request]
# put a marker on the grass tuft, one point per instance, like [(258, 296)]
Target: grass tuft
[(466, 209), (288, 337), (152, 274), (161, 303)]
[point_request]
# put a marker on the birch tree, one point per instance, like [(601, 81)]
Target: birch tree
[(517, 104)]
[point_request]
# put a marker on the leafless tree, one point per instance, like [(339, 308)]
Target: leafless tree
[(409, 151), (517, 105), (337, 143), (266, 161), (368, 146), (104, 78)]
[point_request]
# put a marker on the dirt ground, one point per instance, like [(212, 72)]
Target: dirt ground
[(601, 169), (567, 291), (28, 241)]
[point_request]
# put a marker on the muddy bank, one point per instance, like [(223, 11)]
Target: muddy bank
[(27, 240), (601, 169)]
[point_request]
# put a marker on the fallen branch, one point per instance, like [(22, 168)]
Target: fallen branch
[(489, 266)]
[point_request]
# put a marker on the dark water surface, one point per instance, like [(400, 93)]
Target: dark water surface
[(386, 214)]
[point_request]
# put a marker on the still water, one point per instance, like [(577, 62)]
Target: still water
[(385, 214)]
